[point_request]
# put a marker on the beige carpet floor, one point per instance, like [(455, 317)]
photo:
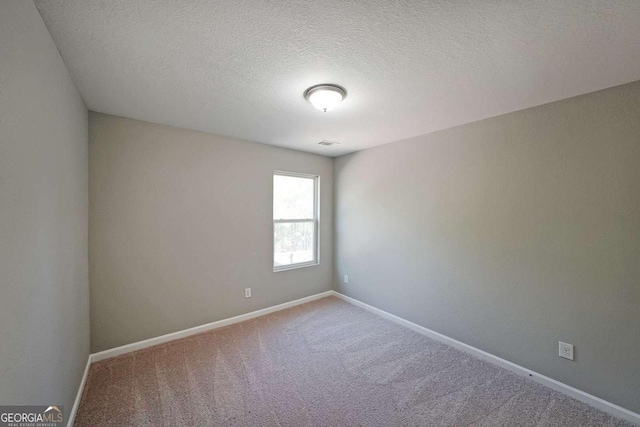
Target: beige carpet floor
[(325, 363)]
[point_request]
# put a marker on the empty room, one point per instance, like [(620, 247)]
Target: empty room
[(319, 213)]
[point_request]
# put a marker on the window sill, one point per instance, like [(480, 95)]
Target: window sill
[(294, 266)]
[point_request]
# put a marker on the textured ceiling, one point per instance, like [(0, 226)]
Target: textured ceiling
[(239, 67)]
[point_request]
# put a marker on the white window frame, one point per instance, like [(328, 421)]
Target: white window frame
[(315, 220)]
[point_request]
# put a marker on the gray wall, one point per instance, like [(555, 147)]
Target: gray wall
[(509, 234), (181, 223), (44, 301)]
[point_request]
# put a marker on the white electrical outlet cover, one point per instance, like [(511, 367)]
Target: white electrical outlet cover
[(565, 350), (247, 292), (346, 279)]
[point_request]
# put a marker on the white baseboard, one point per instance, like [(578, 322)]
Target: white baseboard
[(117, 351), (587, 398), (76, 403)]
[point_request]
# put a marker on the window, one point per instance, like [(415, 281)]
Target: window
[(295, 220)]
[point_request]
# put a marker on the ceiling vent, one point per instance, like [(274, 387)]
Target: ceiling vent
[(328, 143)]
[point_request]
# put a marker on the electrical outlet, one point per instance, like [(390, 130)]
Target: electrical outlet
[(247, 292), (346, 279), (565, 350)]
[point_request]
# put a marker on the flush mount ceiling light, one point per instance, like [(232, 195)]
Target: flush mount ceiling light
[(325, 97)]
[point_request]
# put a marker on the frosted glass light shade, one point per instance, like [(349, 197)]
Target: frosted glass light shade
[(325, 97)]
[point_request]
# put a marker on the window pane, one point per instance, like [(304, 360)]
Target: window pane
[(293, 243), (292, 197)]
